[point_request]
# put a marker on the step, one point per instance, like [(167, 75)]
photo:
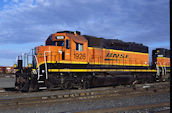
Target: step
[(42, 87), (40, 81), (40, 76)]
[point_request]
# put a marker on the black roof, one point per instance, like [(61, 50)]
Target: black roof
[(115, 44)]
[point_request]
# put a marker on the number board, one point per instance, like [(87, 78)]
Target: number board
[(60, 37)]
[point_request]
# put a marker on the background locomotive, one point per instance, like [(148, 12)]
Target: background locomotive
[(72, 60)]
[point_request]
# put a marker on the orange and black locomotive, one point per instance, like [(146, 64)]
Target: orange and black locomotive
[(71, 60)]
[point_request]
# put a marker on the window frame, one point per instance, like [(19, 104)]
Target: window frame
[(79, 47)]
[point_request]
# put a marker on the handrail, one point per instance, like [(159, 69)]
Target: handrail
[(38, 67), (162, 69), (165, 71), (158, 73), (46, 70)]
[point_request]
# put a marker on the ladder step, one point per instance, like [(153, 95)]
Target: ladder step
[(40, 81), (40, 75), (42, 87)]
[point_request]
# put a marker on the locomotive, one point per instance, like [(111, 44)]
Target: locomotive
[(71, 60)]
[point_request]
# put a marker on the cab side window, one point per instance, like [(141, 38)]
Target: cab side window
[(79, 47), (67, 44)]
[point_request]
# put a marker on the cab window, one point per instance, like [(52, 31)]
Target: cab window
[(79, 47), (60, 43)]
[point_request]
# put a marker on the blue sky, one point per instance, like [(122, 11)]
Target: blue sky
[(25, 24)]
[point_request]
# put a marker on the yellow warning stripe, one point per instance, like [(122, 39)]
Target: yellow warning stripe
[(93, 63), (163, 58), (167, 66), (99, 70)]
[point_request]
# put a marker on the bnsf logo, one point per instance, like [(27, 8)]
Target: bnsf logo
[(116, 55)]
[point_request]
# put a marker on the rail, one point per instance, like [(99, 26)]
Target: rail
[(66, 95)]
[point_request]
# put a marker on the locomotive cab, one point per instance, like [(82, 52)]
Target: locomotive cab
[(63, 47)]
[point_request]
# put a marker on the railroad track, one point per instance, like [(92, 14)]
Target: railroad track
[(162, 108), (20, 99), (13, 91)]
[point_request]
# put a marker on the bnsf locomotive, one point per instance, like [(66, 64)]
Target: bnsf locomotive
[(71, 60)]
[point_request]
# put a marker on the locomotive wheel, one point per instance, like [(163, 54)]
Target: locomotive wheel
[(34, 85), (85, 85), (34, 89), (69, 85), (26, 86), (22, 84), (48, 84), (65, 85)]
